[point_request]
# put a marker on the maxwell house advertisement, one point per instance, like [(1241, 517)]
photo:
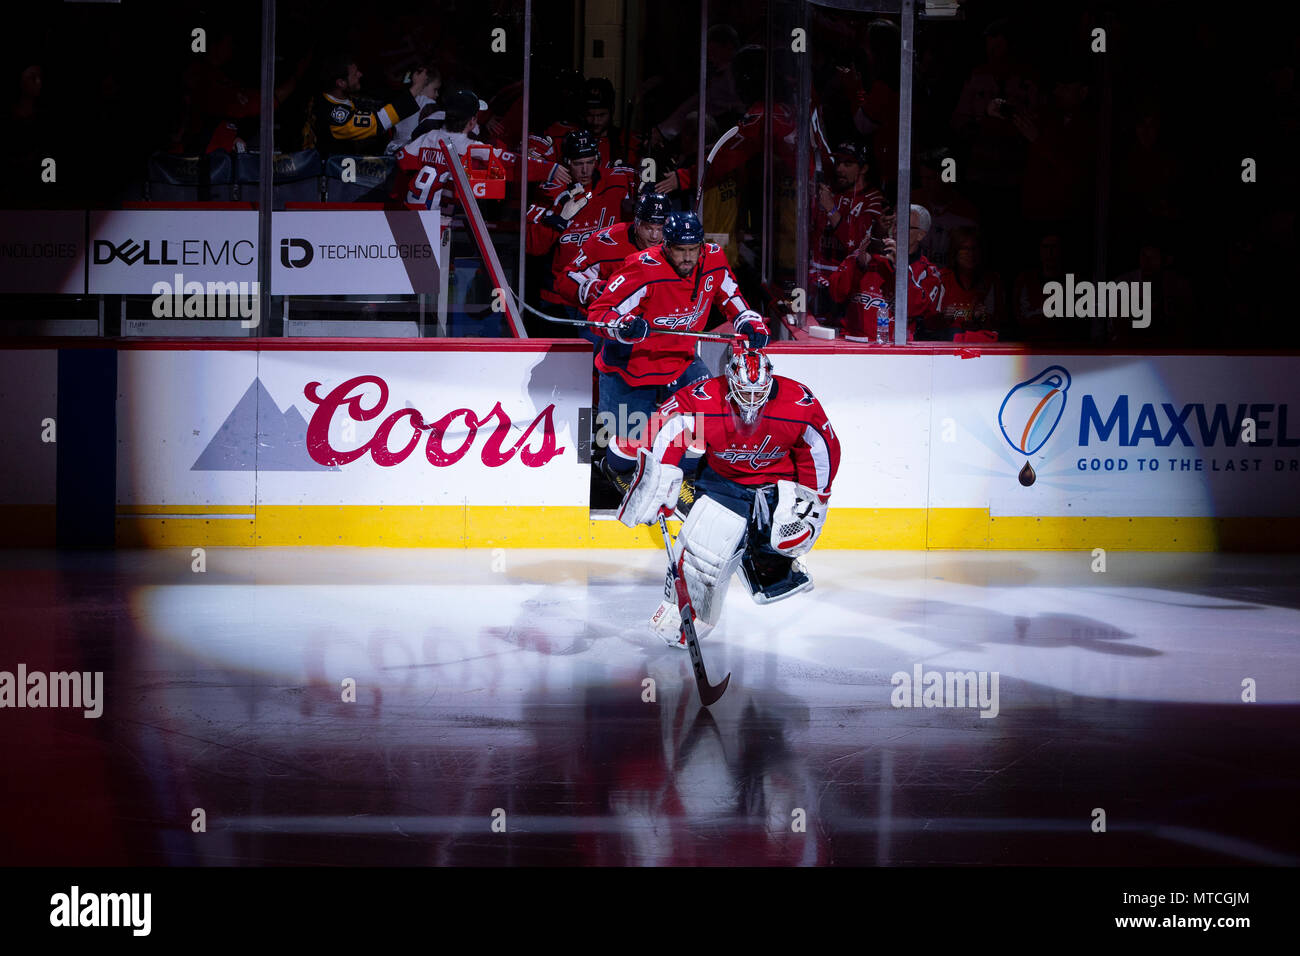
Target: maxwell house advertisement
[(1116, 435)]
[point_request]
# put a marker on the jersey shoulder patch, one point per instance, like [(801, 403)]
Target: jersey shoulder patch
[(339, 114), (701, 391), (713, 247), (648, 260)]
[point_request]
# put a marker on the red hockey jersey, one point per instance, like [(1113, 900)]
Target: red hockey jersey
[(869, 291), (791, 439), (428, 171), (647, 285), (605, 208), (599, 258), (859, 211)]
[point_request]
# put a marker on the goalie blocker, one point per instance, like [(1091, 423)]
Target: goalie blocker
[(770, 456)]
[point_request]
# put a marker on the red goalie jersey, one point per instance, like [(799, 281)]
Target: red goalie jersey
[(792, 438)]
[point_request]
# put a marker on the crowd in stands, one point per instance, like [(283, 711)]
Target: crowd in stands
[(1025, 142)]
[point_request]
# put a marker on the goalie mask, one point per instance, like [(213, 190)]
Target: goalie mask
[(749, 383)]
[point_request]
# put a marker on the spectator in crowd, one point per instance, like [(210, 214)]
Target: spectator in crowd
[(876, 115), (424, 84), (335, 122), (1060, 179), (865, 281), (218, 103), (617, 146), (949, 209), (1173, 306), (973, 301), (30, 132), (725, 102), (562, 217), (991, 151), (425, 169), (844, 212), (1147, 180), (1027, 293)]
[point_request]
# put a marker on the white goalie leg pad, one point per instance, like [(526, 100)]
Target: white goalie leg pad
[(654, 486), (711, 536), (797, 518)]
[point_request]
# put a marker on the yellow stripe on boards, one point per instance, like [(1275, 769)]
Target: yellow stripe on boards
[(454, 526)]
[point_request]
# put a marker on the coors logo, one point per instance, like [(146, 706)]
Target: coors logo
[(350, 395)]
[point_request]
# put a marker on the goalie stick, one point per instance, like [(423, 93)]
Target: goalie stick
[(699, 186), (709, 695)]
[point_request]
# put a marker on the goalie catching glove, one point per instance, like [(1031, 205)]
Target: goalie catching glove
[(797, 519), (654, 491)]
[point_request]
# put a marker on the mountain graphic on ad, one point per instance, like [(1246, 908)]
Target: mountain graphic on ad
[(281, 443)]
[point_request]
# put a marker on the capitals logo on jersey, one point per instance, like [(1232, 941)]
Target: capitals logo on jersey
[(867, 301), (755, 457)]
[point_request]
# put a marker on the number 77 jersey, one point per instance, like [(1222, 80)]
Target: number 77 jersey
[(791, 439)]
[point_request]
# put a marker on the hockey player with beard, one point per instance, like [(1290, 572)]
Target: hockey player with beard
[(671, 287), (770, 456), (563, 217)]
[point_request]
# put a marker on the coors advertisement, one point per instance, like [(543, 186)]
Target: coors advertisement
[(356, 428)]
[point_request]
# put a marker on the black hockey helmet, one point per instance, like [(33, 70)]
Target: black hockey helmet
[(683, 229), (578, 144), (652, 207)]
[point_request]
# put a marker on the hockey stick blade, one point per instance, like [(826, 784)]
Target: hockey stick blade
[(709, 694), (708, 162)]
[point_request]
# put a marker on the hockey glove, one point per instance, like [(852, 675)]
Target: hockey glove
[(797, 518), (567, 205), (633, 329), (589, 290), (750, 324), (653, 492)]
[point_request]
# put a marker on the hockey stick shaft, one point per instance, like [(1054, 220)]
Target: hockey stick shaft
[(708, 162), (592, 324), (708, 693)]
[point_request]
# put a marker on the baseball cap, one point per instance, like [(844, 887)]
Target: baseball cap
[(461, 102), (853, 150)]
